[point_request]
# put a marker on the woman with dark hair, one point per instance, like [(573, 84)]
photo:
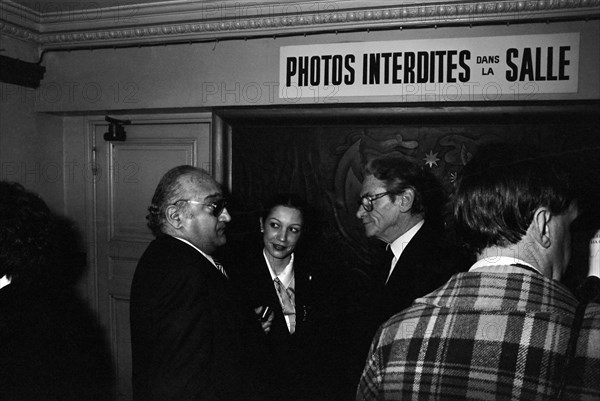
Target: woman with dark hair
[(278, 281)]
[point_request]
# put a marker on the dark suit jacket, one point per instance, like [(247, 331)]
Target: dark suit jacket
[(293, 356), (427, 262), (192, 339)]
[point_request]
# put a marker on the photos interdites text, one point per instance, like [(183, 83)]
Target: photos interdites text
[(458, 69)]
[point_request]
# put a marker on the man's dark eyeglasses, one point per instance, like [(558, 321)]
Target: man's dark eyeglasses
[(366, 201), (217, 206)]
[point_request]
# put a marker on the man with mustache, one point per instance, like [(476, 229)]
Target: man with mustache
[(191, 337)]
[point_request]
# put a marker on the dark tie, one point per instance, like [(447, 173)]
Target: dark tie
[(286, 295), (390, 255), (389, 258)]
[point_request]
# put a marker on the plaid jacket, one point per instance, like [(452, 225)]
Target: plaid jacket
[(485, 336)]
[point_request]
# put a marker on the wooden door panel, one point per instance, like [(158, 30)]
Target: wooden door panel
[(135, 175), (121, 344), (121, 268), (122, 195)]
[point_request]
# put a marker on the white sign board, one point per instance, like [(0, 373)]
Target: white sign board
[(458, 69)]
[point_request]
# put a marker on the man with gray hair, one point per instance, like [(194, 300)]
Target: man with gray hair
[(401, 204), (191, 337), (506, 329)]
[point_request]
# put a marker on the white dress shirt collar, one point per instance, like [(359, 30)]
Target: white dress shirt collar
[(286, 276), (207, 256), (400, 243), (491, 261), (4, 281)]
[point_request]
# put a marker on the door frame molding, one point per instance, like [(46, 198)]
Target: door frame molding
[(217, 156)]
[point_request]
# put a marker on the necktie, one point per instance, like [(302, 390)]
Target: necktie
[(287, 298), (390, 258), (220, 267)]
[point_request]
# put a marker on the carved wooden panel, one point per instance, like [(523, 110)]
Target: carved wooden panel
[(324, 164)]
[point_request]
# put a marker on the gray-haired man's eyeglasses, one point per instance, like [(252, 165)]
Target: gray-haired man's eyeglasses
[(366, 201)]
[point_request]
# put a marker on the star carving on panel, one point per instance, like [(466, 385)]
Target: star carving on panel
[(431, 159)]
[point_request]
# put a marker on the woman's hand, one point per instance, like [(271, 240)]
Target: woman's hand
[(265, 317)]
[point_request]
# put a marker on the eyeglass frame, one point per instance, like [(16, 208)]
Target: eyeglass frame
[(217, 209), (369, 206)]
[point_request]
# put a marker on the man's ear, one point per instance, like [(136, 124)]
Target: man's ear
[(173, 216), (406, 199), (540, 227)]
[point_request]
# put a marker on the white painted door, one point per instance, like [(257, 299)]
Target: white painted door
[(126, 177)]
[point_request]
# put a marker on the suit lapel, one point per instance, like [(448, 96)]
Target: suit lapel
[(411, 256), (302, 297), (301, 291)]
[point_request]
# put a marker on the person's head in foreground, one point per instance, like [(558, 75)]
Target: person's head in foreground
[(516, 203), (502, 330)]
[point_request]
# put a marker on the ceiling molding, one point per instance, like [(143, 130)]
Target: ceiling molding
[(195, 21)]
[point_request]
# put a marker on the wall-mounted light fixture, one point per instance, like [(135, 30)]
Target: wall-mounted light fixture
[(116, 132)]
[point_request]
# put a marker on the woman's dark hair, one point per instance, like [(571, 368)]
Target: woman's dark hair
[(294, 201), (499, 191), (399, 174), (26, 226), (290, 200)]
